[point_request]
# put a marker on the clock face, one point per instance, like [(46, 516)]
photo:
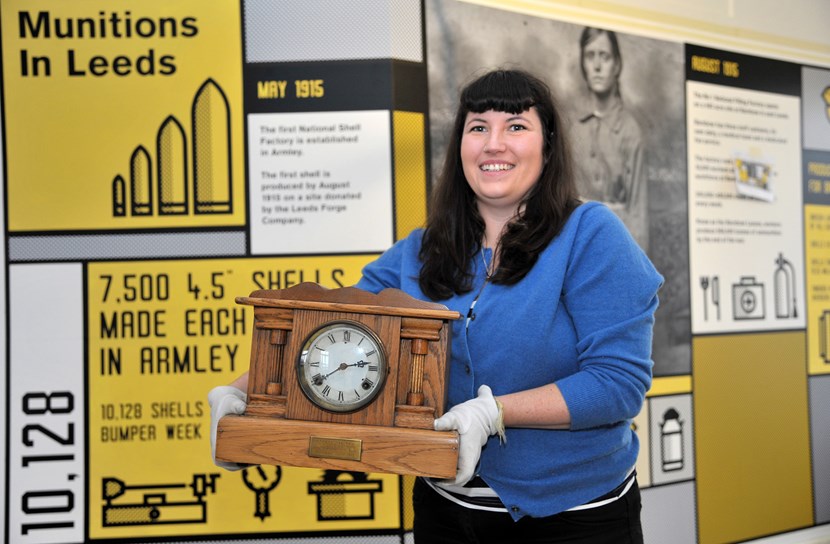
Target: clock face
[(342, 366)]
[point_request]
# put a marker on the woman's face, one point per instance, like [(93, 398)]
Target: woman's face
[(502, 156), (600, 65)]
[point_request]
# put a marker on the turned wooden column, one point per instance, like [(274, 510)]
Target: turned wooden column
[(273, 385), (420, 348)]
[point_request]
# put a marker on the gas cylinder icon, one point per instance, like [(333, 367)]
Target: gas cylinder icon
[(671, 441), (784, 288)]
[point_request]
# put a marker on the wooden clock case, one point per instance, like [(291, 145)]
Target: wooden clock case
[(393, 434)]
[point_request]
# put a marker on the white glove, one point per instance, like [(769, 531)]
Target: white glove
[(475, 420), (224, 400)]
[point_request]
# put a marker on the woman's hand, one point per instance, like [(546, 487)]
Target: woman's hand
[(475, 420), (224, 400)]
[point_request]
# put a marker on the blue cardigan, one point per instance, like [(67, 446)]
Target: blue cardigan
[(583, 318)]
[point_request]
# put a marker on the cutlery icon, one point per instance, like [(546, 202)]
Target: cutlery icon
[(716, 294)]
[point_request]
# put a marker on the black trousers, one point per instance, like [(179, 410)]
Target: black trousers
[(441, 521)]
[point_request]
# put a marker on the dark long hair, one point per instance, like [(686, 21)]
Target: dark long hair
[(455, 229)]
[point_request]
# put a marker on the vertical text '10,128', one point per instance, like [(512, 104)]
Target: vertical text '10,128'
[(49, 440)]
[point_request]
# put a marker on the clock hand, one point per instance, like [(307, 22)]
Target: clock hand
[(318, 380), (341, 366)]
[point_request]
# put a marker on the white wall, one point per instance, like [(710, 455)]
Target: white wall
[(794, 30)]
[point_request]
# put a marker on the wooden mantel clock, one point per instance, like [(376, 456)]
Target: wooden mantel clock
[(345, 379)]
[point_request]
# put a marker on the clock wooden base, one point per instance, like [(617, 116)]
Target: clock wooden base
[(344, 379), (364, 448)]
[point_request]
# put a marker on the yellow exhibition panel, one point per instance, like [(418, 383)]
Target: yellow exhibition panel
[(161, 335), (752, 436)]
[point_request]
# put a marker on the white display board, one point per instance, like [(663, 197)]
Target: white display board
[(745, 210), (47, 499), (317, 179)]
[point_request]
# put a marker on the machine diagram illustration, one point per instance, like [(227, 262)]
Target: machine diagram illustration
[(150, 504), (345, 495), (262, 479)]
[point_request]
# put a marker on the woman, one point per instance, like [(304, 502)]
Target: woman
[(609, 142), (553, 359)]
